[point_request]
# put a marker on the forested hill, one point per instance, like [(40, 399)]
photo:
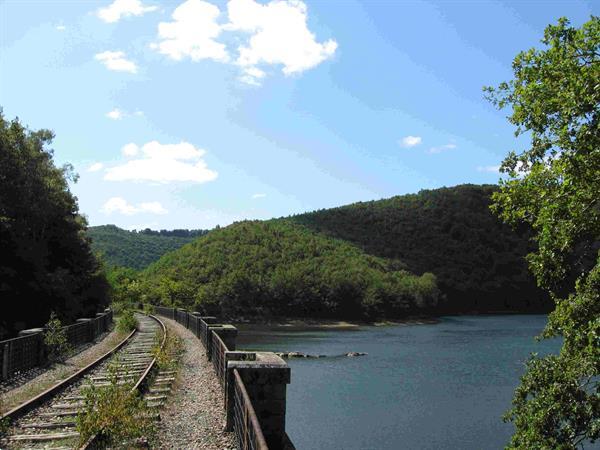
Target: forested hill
[(438, 251), (451, 232), (137, 249), (280, 268)]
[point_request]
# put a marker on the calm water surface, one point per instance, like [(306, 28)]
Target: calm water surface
[(439, 386)]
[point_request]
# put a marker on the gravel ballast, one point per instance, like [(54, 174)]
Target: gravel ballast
[(194, 416)]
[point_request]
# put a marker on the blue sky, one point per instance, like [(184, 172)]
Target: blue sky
[(189, 114)]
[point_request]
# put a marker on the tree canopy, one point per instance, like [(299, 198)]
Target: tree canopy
[(45, 259), (479, 261), (554, 186), (279, 268)]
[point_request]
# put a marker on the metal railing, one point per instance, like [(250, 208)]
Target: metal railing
[(246, 427), (204, 333), (218, 358), (24, 353), (194, 324)]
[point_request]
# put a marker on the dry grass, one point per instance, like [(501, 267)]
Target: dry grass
[(60, 371)]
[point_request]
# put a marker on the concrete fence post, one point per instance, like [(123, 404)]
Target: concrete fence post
[(101, 321), (228, 334), (5, 360), (266, 379), (208, 320), (209, 329)]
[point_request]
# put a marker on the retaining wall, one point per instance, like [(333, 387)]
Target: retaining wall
[(254, 383)]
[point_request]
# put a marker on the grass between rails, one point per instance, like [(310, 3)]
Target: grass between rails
[(169, 356), (116, 413)]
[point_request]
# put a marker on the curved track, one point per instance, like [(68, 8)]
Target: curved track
[(50, 423)]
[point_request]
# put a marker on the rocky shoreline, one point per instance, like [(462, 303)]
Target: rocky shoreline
[(290, 355)]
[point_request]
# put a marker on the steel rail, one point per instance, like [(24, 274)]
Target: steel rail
[(33, 403), (139, 385)]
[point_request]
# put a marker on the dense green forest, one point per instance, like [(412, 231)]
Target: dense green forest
[(478, 261), (46, 263), (285, 269), (438, 251), (137, 249)]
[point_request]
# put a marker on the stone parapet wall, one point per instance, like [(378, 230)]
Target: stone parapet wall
[(254, 383)]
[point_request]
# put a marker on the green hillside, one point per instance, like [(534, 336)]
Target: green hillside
[(137, 249), (438, 251), (281, 268), (478, 261)]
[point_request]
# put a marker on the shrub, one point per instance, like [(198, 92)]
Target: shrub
[(126, 321), (119, 307), (167, 357), (115, 412), (55, 339)]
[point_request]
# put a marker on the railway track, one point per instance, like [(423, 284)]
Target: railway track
[(49, 422)]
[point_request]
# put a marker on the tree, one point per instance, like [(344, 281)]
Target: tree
[(45, 260), (554, 186)]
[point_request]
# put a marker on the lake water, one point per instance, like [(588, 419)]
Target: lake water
[(438, 386)]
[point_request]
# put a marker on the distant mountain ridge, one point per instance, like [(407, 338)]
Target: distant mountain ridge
[(137, 249)]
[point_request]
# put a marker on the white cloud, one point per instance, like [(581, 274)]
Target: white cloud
[(410, 141), (60, 28), (130, 149), (143, 226), (152, 207), (278, 35), (259, 195), (192, 33), (95, 167), (489, 169), (441, 148), (115, 114), (118, 114), (116, 61), (164, 163), (275, 33), (122, 206), (123, 8)]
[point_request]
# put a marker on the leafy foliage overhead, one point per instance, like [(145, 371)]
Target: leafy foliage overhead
[(45, 259), (554, 186)]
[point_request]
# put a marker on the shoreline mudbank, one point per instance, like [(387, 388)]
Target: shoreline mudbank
[(302, 324)]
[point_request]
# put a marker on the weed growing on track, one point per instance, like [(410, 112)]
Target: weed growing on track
[(114, 412), (126, 321), (169, 356), (56, 340)]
